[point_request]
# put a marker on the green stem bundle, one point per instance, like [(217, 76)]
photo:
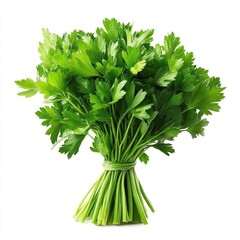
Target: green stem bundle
[(117, 197)]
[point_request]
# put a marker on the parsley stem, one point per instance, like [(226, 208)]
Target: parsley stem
[(116, 197), (73, 105), (80, 102), (125, 135)]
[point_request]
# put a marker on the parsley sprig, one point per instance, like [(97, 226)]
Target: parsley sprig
[(126, 94)]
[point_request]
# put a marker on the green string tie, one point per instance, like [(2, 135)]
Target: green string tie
[(114, 166)]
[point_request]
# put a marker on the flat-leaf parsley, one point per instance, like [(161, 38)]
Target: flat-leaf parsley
[(128, 95)]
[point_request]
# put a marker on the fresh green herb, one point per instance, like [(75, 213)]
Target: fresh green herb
[(126, 94)]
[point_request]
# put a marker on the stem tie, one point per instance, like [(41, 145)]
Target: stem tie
[(118, 166)]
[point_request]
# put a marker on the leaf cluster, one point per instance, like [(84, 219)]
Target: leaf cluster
[(117, 85)]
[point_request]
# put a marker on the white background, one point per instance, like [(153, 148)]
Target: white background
[(196, 191)]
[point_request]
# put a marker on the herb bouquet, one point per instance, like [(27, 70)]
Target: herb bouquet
[(126, 94)]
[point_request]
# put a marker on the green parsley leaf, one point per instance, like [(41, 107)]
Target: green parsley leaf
[(97, 102), (29, 85), (52, 119), (140, 112), (57, 80), (100, 146), (132, 56), (205, 97), (85, 85), (144, 158), (138, 67), (137, 99), (116, 90), (73, 121), (71, 145), (166, 148)]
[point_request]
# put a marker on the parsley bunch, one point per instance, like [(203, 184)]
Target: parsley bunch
[(126, 94)]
